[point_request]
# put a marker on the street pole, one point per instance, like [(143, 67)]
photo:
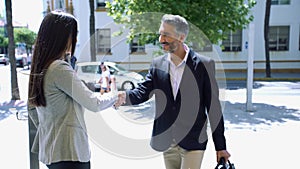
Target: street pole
[(249, 106), (32, 122)]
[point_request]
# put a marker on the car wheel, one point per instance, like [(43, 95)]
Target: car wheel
[(127, 85)]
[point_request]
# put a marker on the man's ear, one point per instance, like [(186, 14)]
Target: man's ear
[(181, 38)]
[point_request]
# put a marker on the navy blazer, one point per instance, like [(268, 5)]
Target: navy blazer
[(183, 120)]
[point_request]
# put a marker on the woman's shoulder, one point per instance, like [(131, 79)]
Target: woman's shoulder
[(59, 65)]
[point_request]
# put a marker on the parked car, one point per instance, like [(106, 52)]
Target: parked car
[(21, 60), (4, 59), (90, 73)]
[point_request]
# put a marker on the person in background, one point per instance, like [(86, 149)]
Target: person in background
[(104, 80), (73, 61), (186, 97), (60, 97)]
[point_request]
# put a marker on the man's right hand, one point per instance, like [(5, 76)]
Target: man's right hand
[(121, 99)]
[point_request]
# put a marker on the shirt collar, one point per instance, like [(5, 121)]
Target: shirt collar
[(187, 51)]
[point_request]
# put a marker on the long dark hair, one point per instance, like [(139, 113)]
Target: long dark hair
[(51, 44)]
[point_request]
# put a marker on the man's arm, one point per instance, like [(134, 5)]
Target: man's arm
[(215, 112), (139, 94)]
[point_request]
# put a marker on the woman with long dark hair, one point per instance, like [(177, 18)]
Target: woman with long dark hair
[(59, 96)]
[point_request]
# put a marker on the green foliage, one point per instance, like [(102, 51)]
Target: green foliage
[(24, 35), (3, 41), (21, 35), (212, 17)]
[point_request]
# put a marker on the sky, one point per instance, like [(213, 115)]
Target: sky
[(26, 12)]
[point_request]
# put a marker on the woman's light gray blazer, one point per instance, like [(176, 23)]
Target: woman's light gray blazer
[(62, 134)]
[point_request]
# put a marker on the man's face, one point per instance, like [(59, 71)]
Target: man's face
[(168, 38)]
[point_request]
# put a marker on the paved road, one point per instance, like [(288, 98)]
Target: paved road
[(265, 138)]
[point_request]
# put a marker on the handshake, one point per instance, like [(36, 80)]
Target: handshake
[(121, 99)]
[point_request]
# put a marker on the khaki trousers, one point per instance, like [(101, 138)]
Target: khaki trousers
[(179, 158)]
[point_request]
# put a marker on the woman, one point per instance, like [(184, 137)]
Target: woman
[(104, 79), (59, 96)]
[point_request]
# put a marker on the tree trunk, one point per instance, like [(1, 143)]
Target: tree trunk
[(15, 94), (266, 35), (92, 31)]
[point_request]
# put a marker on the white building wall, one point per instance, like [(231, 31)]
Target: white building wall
[(287, 15), (81, 12), (259, 15), (281, 15)]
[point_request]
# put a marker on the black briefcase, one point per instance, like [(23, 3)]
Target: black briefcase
[(223, 165)]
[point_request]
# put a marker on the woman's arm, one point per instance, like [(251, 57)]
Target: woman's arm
[(66, 80)]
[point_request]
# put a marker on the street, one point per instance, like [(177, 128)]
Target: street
[(264, 138)]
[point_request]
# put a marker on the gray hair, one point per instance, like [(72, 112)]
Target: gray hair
[(180, 24)]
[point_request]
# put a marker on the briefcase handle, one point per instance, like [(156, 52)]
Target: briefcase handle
[(222, 164)]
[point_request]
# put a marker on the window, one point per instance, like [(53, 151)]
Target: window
[(233, 42), (100, 3), (60, 4), (279, 38), (205, 46), (136, 46), (280, 2), (103, 41)]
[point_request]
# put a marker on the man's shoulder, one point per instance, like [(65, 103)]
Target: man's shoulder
[(161, 57), (159, 60), (199, 57)]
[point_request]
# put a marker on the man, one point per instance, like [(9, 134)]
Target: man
[(186, 93), (73, 61)]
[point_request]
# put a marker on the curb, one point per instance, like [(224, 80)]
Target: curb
[(259, 79)]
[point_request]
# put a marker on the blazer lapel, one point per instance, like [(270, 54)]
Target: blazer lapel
[(165, 67), (186, 74)]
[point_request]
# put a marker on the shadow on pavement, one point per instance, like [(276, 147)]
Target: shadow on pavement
[(142, 112), (11, 107), (237, 84), (235, 113)]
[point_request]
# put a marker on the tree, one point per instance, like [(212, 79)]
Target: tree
[(24, 35), (3, 43), (21, 35), (266, 37), (92, 31), (213, 17), (3, 37), (11, 52)]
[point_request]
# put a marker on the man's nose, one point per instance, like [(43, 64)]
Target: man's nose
[(161, 39)]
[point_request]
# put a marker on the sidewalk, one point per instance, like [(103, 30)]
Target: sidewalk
[(261, 76)]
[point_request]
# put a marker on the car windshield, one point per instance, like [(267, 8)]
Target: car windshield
[(120, 68), (90, 68)]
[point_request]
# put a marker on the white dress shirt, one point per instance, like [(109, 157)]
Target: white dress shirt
[(177, 71)]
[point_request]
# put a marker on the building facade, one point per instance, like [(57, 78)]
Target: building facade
[(284, 38)]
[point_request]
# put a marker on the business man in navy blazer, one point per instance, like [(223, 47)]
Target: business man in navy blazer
[(186, 93)]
